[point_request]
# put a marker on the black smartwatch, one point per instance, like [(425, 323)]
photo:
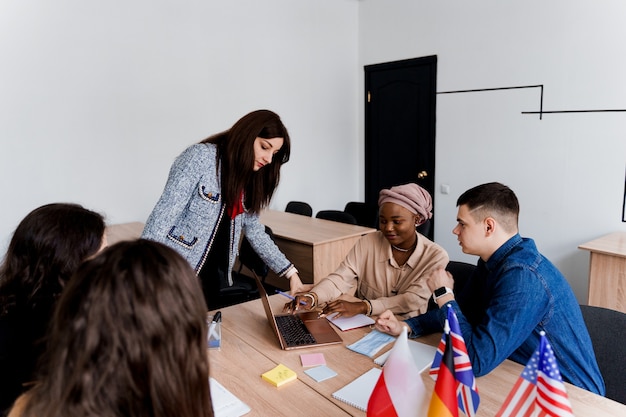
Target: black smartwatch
[(441, 291)]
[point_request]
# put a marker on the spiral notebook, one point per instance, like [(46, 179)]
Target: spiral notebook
[(357, 393)]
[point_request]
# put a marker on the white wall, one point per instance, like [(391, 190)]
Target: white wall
[(567, 169), (98, 98)]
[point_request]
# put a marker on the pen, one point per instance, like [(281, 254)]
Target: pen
[(217, 317), (212, 333), (291, 297)]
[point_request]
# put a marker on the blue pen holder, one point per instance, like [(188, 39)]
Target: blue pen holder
[(214, 333)]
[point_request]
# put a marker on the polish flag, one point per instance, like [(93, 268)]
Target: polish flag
[(400, 391)]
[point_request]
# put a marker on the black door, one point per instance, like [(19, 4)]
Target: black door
[(400, 99)]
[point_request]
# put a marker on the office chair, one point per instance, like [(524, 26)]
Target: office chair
[(364, 214), (424, 228), (461, 272), (336, 215), (299, 207), (606, 328), (251, 260), (244, 288)]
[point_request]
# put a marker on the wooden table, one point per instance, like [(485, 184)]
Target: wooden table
[(607, 271), (250, 348), (315, 246)]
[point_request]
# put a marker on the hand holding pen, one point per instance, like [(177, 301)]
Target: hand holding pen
[(299, 302)]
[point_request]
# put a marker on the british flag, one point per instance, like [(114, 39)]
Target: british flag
[(467, 392)]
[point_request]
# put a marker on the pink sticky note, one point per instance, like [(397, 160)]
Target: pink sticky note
[(312, 359)]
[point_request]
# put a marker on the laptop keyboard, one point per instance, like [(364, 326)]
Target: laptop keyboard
[(294, 331)]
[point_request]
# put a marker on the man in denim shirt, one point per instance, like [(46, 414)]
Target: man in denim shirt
[(514, 294)]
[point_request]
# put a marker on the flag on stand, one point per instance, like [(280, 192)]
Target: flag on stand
[(463, 384), (443, 402), (539, 390), (399, 391)]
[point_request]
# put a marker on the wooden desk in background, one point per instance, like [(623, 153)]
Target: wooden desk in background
[(315, 246), (249, 348), (123, 231), (607, 271)]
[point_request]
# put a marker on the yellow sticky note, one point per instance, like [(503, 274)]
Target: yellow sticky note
[(279, 375)]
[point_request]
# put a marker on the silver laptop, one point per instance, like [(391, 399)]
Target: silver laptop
[(300, 330)]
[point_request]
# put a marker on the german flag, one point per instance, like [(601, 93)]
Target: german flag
[(444, 400)]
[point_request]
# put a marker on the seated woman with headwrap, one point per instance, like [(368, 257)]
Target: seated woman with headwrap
[(384, 270)]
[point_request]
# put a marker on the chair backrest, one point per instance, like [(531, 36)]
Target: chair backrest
[(299, 207), (607, 329), (424, 228), (364, 214), (251, 260), (461, 272), (337, 216)]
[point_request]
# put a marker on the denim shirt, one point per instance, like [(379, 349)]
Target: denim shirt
[(186, 216), (510, 299)]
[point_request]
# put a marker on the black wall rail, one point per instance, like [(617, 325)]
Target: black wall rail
[(541, 111)]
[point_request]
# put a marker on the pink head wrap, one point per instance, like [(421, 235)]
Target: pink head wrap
[(410, 196)]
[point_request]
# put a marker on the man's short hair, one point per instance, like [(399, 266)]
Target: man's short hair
[(492, 199)]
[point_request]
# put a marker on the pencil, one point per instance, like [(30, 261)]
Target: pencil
[(291, 297)]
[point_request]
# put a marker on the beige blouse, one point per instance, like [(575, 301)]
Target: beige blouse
[(369, 271), (18, 406)]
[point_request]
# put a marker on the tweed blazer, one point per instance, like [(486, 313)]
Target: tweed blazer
[(187, 215)]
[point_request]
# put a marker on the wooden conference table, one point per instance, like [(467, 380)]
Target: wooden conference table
[(249, 348), (315, 246)]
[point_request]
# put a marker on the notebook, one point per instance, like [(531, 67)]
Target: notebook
[(225, 403), (318, 331), (357, 393), (422, 353), (348, 323)]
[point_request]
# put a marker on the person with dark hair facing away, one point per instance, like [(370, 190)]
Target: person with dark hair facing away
[(46, 248), (386, 269), (128, 339), (513, 296), (215, 192)]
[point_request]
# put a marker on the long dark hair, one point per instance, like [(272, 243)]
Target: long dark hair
[(46, 249), (128, 338), (236, 155)]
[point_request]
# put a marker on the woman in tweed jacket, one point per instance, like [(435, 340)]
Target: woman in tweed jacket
[(215, 192)]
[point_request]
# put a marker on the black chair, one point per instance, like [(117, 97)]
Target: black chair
[(461, 272), (424, 228), (244, 287), (299, 207), (337, 216), (607, 329), (364, 214)]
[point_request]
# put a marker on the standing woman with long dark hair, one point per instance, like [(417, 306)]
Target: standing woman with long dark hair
[(128, 339), (215, 192), (46, 249)]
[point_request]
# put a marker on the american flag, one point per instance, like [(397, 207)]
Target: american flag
[(539, 391), (467, 392)]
